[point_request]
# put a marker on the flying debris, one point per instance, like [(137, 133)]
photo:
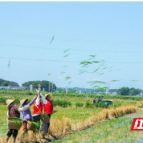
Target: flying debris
[(110, 71), (95, 61), (52, 39), (66, 50), (67, 77), (101, 73), (65, 66), (114, 80), (134, 80), (96, 70), (97, 82), (82, 71), (62, 72), (69, 82), (93, 56), (67, 55), (85, 63), (9, 64), (103, 88), (110, 67)]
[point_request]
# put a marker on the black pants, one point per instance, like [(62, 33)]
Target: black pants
[(12, 132), (37, 119)]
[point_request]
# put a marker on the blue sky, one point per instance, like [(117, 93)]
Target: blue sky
[(110, 30)]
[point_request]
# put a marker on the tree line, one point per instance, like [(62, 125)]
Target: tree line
[(44, 84)]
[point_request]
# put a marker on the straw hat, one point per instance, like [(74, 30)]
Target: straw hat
[(22, 102), (49, 94), (9, 101)]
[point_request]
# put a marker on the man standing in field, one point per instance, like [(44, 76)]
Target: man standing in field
[(99, 99)]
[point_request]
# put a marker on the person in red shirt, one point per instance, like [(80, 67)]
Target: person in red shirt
[(37, 108), (48, 109)]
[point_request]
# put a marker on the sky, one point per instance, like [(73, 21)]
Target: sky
[(110, 30)]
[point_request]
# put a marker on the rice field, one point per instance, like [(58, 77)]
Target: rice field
[(71, 119), (117, 130)]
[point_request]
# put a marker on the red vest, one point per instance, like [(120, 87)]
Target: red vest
[(48, 108), (37, 109)]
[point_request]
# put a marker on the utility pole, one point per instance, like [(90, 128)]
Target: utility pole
[(49, 81)]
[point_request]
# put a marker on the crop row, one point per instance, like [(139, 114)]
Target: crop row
[(107, 96), (65, 103)]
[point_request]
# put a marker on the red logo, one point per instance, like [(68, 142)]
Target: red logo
[(137, 124)]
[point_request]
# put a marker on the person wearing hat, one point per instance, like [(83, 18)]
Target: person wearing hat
[(26, 114), (13, 111), (99, 99), (94, 100), (48, 109)]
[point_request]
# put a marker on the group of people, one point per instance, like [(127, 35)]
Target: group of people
[(99, 100), (25, 113)]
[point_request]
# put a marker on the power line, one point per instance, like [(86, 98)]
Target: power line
[(81, 50), (65, 39), (40, 60)]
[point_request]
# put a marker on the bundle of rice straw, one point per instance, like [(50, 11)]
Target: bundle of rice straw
[(45, 118), (14, 123), (31, 126)]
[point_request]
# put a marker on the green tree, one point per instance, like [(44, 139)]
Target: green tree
[(124, 91), (6, 82), (44, 84), (134, 91)]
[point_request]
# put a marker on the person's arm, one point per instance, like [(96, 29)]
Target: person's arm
[(37, 101), (54, 111), (42, 97), (32, 101), (23, 108), (38, 98)]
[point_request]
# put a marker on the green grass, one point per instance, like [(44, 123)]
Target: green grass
[(112, 131), (107, 96), (73, 112)]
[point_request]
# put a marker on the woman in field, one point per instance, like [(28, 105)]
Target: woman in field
[(37, 108), (13, 111), (94, 101), (26, 114), (48, 109)]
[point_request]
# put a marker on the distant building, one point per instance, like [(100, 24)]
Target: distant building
[(13, 85), (98, 93), (114, 93)]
